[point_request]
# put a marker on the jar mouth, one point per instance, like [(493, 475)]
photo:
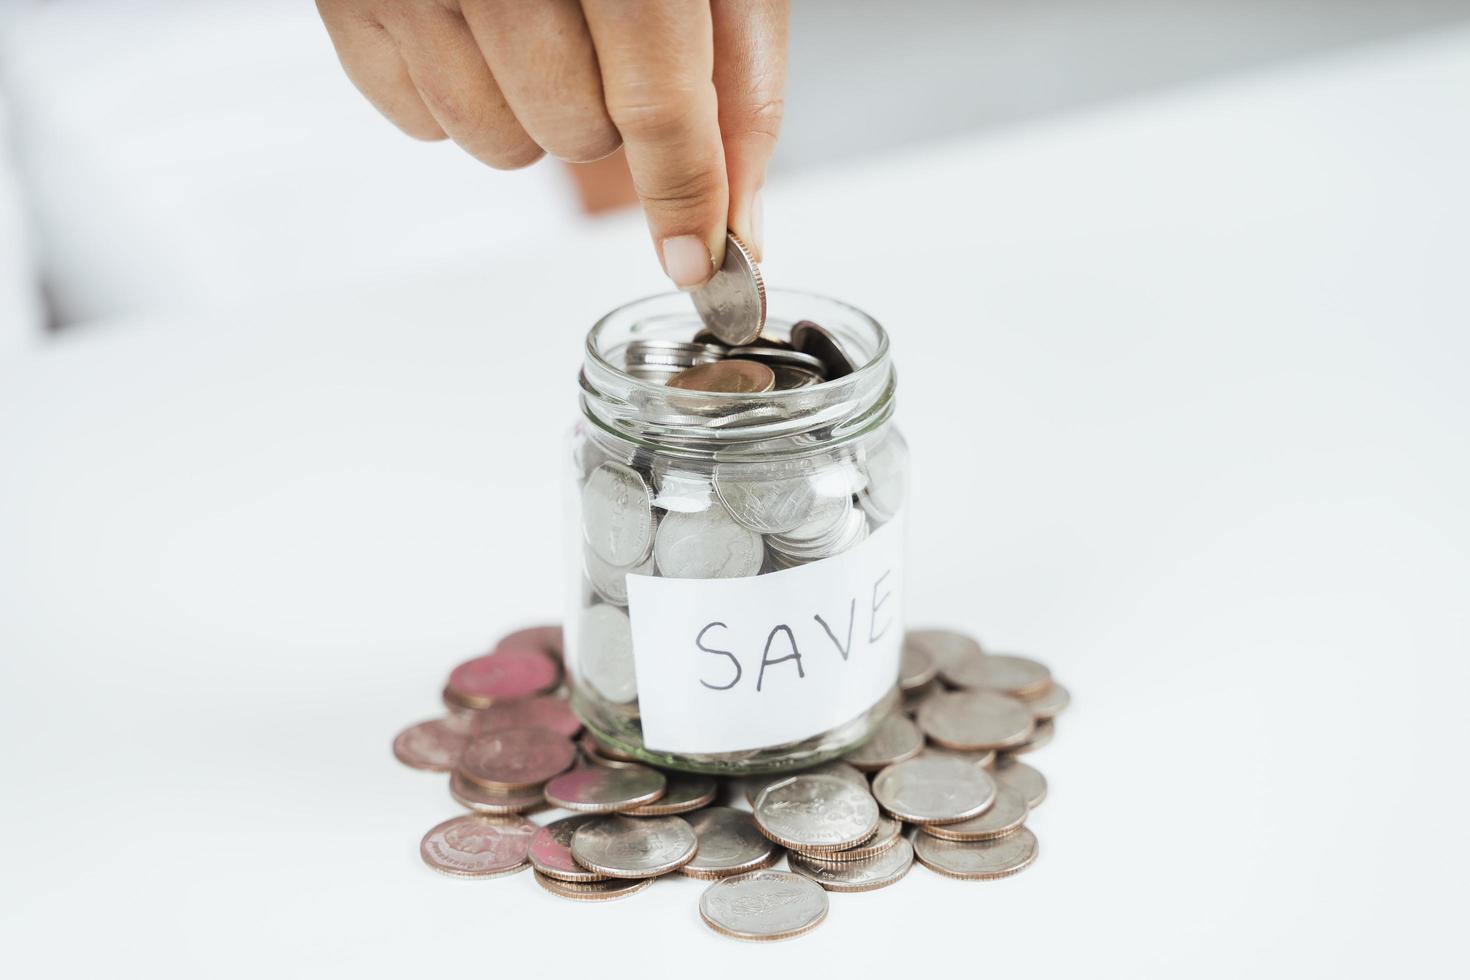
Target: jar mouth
[(796, 421)]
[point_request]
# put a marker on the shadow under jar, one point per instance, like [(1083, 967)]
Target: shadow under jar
[(735, 561)]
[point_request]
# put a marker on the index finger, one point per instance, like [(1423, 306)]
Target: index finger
[(657, 64)]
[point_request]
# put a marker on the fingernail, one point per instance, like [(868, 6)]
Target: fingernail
[(758, 225), (687, 261)]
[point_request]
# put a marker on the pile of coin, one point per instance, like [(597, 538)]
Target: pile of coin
[(939, 782), (703, 363)]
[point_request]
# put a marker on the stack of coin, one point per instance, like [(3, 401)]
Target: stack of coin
[(947, 790), (806, 355)]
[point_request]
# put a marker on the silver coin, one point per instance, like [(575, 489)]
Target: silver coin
[(889, 832), (912, 700), (850, 530), (887, 467), (599, 789), (858, 876), (816, 813), (827, 517), (680, 488), (774, 357), (932, 789), (1050, 702), (601, 890), (789, 378), (710, 544), (605, 653), (763, 906), (610, 582), (634, 847), (983, 759), (1020, 777), (686, 792), (977, 859), (551, 850), (896, 739), (812, 339), (838, 768), (916, 667), (772, 498), (975, 720), (617, 514), (732, 302), (1008, 813), (948, 648), (1040, 736), (1017, 676), (475, 797), (729, 844)]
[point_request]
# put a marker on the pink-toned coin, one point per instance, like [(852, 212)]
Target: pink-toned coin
[(473, 796), (551, 850), (433, 745), (545, 638), (605, 755), (477, 846), (552, 714), (517, 758), (513, 673)]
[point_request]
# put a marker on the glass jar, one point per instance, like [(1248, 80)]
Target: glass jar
[(735, 560)]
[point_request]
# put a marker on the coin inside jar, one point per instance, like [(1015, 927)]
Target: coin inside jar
[(1007, 814), (731, 376), (707, 544), (896, 739), (728, 844), (634, 847), (732, 302), (763, 906), (933, 789), (816, 341), (478, 846), (882, 869), (600, 789), (606, 648), (551, 850), (816, 813), (975, 720), (516, 759), (617, 514), (979, 859)]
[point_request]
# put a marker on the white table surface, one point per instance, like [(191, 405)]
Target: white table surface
[(1185, 381)]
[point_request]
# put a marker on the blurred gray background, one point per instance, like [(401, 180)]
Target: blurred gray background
[(159, 155)]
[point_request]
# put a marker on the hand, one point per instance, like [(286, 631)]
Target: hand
[(692, 88)]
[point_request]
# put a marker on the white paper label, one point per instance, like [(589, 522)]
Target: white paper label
[(726, 665)]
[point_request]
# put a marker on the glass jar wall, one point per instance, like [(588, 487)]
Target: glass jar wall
[(734, 560)]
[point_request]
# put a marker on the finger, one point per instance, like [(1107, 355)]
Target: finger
[(547, 69), (373, 64), (750, 81), (452, 78), (657, 62)]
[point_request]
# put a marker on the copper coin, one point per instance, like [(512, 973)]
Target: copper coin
[(477, 846), (686, 792), (1016, 676), (602, 890), (1050, 702), (547, 639), (433, 745), (552, 714), (518, 672), (482, 800), (730, 376), (1007, 814), (975, 720), (551, 850), (517, 758), (598, 789)]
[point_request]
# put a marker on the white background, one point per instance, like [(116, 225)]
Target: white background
[(1185, 386)]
